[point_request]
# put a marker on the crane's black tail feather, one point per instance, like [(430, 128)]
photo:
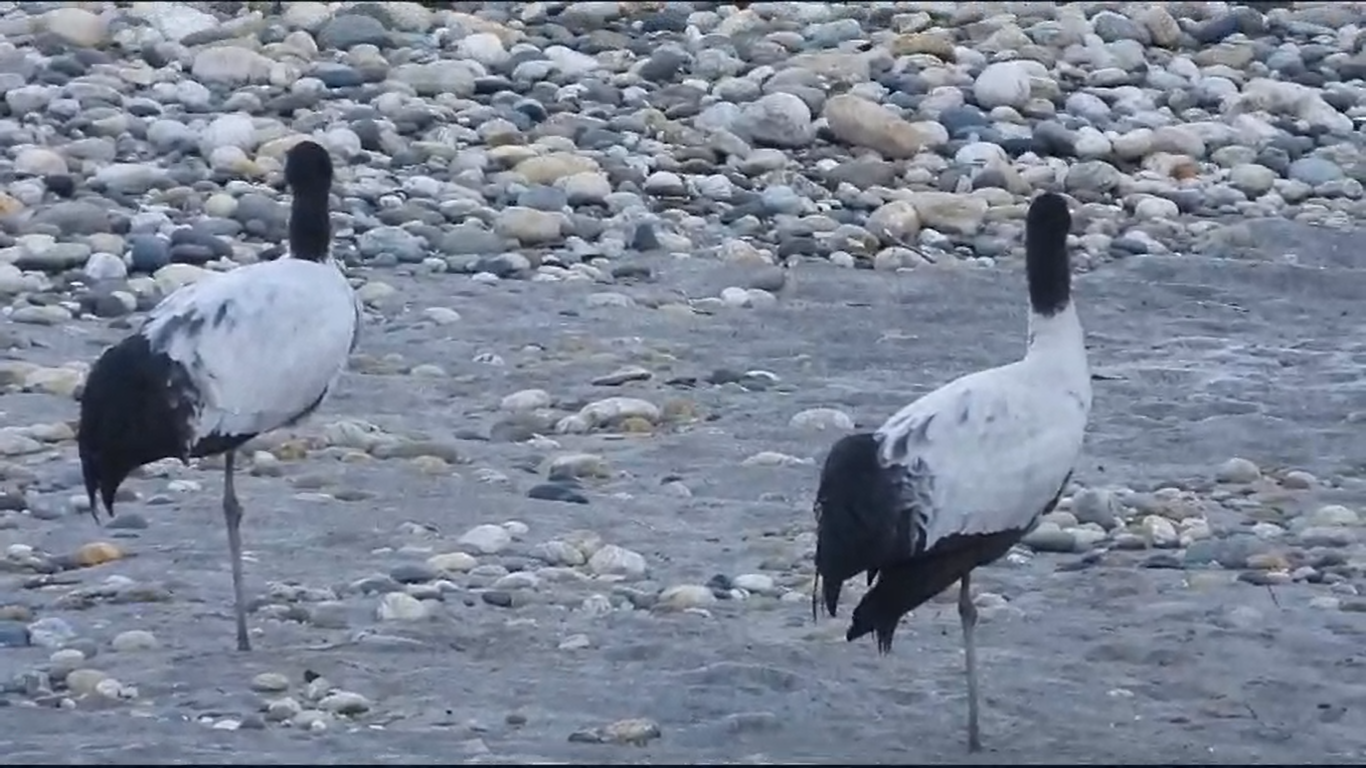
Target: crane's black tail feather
[(860, 523), (135, 408), (905, 586)]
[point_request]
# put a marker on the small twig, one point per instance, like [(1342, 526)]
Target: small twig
[(1272, 592), (638, 521)]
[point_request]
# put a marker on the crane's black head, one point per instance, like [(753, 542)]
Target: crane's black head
[(308, 168), (1047, 266), (308, 172)]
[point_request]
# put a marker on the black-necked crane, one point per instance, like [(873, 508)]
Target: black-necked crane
[(953, 480), (222, 360)]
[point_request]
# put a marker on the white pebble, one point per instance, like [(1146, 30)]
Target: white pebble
[(596, 605), (518, 580), (488, 539), (105, 266), (1298, 479), (822, 419), (282, 709), (1237, 470), (401, 606), (441, 315), (685, 596), (64, 661), (345, 703), (774, 459), (525, 400), (614, 560), (270, 682), (135, 640), (575, 643), (83, 681), (452, 562), (1160, 531), (610, 410), (1334, 514), (311, 720), (760, 583)]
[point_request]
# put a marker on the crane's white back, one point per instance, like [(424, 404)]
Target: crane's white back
[(988, 451), (262, 343)]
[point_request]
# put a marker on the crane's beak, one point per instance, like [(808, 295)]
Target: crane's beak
[(1105, 377)]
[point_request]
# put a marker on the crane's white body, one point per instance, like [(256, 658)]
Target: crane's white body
[(261, 344), (987, 452)]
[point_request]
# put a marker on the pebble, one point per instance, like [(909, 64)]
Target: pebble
[(401, 606), (452, 562), (312, 720), (1299, 480), (759, 583), (64, 661), (1160, 532), (270, 682), (51, 632), (526, 400), (556, 552), (821, 419), (636, 731), (97, 553), (684, 596), (1237, 470), (1333, 515), (614, 560), (282, 710), (1095, 505), (83, 681), (573, 466), (576, 642), (134, 640), (345, 703), (1049, 537), (487, 539), (441, 315)]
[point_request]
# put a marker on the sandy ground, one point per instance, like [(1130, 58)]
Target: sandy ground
[(1244, 356)]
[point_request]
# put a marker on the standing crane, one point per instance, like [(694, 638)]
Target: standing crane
[(225, 359), (953, 480)]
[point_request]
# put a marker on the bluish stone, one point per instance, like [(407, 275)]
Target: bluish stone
[(148, 253)]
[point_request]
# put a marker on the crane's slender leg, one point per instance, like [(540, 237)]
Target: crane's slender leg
[(232, 514), (967, 611)]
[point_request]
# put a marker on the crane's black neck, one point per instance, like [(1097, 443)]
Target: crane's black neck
[(310, 229), (1047, 266)]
